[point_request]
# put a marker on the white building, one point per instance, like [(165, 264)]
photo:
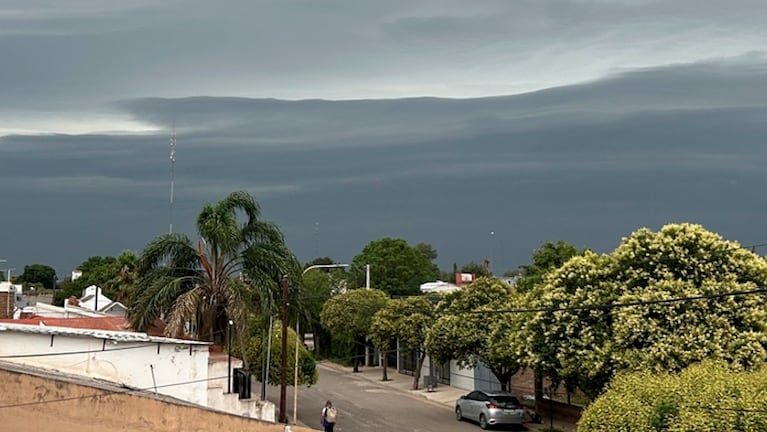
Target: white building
[(174, 367), (93, 299)]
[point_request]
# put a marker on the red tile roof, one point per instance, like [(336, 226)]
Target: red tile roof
[(111, 323)]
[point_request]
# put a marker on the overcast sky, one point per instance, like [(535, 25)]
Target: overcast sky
[(482, 127)]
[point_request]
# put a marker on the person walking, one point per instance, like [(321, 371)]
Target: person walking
[(329, 415)]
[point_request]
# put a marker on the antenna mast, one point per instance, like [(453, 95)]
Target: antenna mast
[(172, 172)]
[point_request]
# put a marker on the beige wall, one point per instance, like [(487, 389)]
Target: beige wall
[(78, 409)]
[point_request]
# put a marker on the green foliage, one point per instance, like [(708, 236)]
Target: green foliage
[(39, 275), (586, 343), (317, 286), (232, 272), (464, 328), (395, 267), (428, 250), (707, 397), (348, 316), (256, 352), (116, 276), (407, 319), (547, 257)]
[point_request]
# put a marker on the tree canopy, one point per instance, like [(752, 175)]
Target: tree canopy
[(407, 319), (348, 316), (709, 396), (41, 275), (256, 352), (463, 330), (395, 267), (549, 256), (585, 337)]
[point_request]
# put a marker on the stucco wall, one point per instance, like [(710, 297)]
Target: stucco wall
[(140, 365), (46, 404)]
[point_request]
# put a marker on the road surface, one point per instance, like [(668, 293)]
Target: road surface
[(367, 406)]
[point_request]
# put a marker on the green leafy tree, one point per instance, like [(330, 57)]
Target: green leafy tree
[(123, 277), (463, 330), (256, 352), (348, 316), (428, 250), (395, 267), (549, 256), (709, 396), (416, 315), (317, 286), (383, 333), (102, 271), (233, 271), (39, 274), (586, 340)]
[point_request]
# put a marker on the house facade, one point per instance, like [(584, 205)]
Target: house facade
[(182, 369)]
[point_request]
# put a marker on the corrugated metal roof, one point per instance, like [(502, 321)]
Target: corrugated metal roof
[(117, 336)]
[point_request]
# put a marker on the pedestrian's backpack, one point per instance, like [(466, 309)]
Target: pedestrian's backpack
[(330, 415)]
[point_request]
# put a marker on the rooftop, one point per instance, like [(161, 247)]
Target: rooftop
[(111, 335)]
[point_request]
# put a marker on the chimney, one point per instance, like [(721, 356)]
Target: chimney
[(7, 301)]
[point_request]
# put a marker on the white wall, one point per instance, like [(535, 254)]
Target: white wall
[(461, 378), (131, 364)]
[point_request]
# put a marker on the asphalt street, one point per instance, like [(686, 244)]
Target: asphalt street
[(365, 405)]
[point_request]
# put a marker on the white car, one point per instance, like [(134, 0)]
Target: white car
[(490, 408)]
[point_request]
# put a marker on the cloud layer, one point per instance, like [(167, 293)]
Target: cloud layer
[(587, 163)]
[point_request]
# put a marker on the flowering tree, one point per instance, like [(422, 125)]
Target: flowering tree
[(407, 320), (348, 316), (583, 335), (709, 396), (463, 329)]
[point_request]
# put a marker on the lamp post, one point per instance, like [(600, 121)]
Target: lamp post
[(229, 359), (284, 351), (295, 371)]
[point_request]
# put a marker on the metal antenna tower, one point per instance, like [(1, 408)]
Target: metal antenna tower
[(172, 172)]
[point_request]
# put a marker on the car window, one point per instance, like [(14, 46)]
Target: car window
[(506, 401), (474, 395)]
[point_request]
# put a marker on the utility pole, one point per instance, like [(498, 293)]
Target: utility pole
[(284, 351)]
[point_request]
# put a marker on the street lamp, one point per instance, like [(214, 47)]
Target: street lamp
[(229, 360)]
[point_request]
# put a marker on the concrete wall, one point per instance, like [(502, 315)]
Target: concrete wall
[(39, 403), (139, 365), (219, 399)]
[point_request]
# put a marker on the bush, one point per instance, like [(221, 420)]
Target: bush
[(706, 397)]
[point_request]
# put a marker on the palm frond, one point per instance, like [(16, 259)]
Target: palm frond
[(184, 309)]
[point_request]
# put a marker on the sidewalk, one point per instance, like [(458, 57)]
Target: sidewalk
[(443, 395)]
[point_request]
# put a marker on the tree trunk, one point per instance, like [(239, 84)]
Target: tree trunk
[(385, 367), (417, 372), (356, 358), (538, 385), (503, 376)]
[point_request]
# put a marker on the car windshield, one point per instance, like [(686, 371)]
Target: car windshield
[(506, 401)]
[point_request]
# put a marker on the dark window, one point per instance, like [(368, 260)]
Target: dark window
[(506, 401)]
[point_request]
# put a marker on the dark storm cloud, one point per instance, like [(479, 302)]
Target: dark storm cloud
[(586, 163)]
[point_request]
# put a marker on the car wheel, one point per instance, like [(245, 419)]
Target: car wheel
[(458, 415), (482, 421)]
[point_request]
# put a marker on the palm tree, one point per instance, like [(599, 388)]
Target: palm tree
[(230, 274)]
